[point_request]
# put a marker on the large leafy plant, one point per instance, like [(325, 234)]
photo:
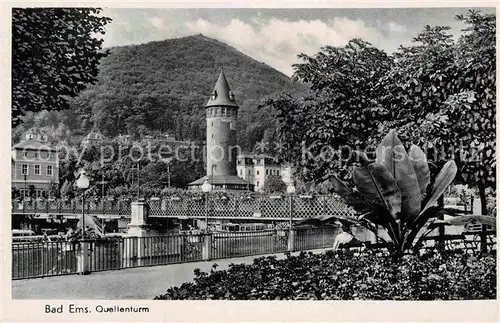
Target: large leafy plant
[(394, 191)]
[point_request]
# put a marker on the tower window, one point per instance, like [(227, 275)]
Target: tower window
[(212, 123)]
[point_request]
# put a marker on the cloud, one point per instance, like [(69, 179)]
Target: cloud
[(396, 28), (277, 42), (157, 22)]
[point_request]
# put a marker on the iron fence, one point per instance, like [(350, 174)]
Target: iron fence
[(314, 238), (239, 244), (468, 241), (41, 259)]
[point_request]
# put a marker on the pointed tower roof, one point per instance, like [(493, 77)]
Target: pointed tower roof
[(222, 94)]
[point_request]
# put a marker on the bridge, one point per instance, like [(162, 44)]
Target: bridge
[(262, 207)]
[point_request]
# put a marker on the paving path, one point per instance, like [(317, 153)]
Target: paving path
[(135, 283)]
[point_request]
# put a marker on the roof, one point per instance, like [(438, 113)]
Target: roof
[(220, 180), (222, 94), (32, 144), (268, 160), (94, 135)]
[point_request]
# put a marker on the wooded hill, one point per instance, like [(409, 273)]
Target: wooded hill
[(162, 87)]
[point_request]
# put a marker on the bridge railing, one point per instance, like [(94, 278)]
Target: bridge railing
[(71, 206), (264, 206)]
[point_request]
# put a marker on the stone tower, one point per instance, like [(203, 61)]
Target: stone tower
[(222, 150), (221, 113)]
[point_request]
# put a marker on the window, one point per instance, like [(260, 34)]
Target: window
[(257, 183), (36, 155), (224, 110), (25, 154), (24, 169), (212, 123), (49, 170), (212, 136), (37, 169), (248, 172), (257, 172), (267, 171)]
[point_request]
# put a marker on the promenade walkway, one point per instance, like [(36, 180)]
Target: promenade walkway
[(135, 283)]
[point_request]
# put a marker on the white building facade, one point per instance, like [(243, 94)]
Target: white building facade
[(257, 168)]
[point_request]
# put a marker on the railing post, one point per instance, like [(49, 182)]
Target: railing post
[(83, 258), (484, 240), (207, 246), (324, 204), (322, 237), (441, 228), (291, 240), (235, 199)]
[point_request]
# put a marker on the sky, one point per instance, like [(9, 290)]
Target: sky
[(277, 36)]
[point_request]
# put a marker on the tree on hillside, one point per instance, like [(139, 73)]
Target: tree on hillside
[(54, 56)]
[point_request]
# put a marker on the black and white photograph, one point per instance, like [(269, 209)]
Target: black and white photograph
[(256, 154)]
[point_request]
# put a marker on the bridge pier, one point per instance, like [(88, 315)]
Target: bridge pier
[(138, 228)]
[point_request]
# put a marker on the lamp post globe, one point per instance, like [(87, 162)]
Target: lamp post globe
[(206, 187), (290, 189), (82, 181)]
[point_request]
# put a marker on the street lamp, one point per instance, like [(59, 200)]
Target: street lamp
[(206, 188), (290, 190), (83, 183)]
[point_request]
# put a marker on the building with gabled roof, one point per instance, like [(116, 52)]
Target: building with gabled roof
[(94, 137), (256, 168), (34, 168)]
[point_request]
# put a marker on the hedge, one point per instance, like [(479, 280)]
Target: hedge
[(344, 275)]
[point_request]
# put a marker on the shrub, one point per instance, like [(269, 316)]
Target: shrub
[(345, 275)]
